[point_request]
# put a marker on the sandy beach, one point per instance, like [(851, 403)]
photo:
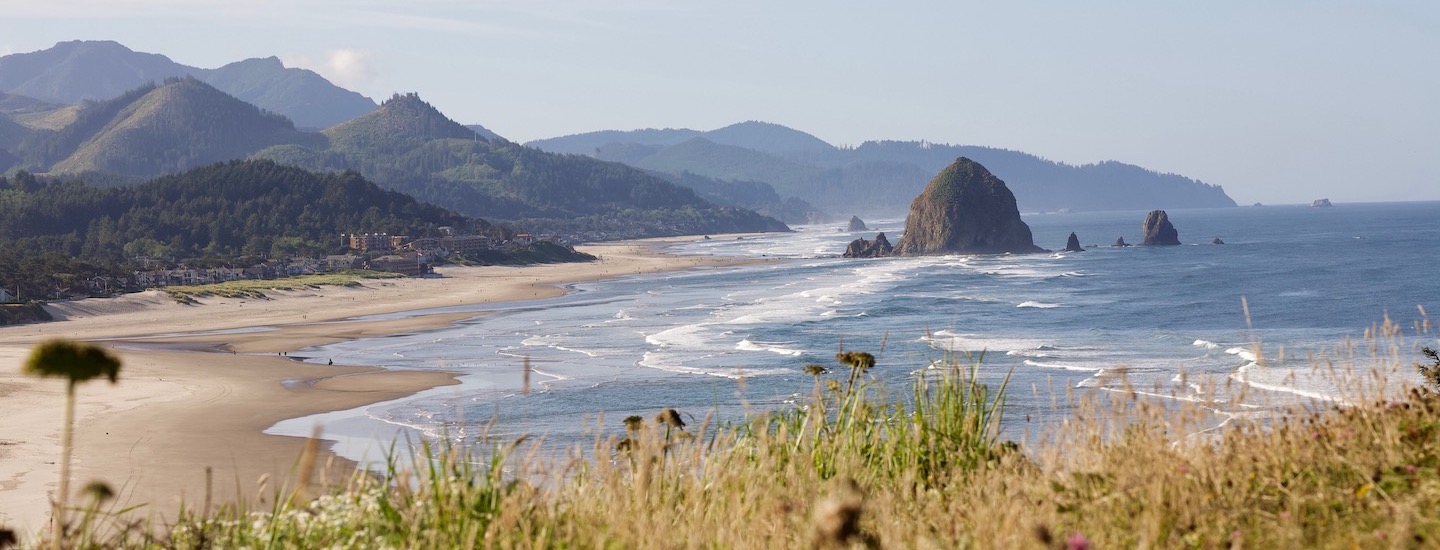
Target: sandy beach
[(189, 401)]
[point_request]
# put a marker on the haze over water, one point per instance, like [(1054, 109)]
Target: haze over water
[(734, 340)]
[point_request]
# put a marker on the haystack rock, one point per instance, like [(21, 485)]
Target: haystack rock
[(1120, 242), (965, 210), (856, 224), (861, 248), (1073, 244), (1158, 231)]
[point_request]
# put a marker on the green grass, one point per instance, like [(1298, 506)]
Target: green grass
[(256, 288), (856, 465)]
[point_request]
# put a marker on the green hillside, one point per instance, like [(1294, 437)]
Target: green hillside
[(171, 128), (76, 71), (304, 97), (410, 146), (767, 137), (402, 124), (231, 209), (707, 158), (883, 176)]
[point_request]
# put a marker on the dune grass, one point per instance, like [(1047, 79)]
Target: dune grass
[(256, 288), (859, 466)]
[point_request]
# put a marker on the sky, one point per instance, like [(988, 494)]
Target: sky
[(1281, 101)]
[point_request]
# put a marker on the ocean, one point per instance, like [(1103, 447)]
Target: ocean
[(1165, 322)]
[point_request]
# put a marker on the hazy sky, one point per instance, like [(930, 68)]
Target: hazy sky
[(1278, 101)]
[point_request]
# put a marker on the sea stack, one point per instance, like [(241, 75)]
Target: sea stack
[(1073, 244), (965, 210), (1120, 243), (1217, 241), (1158, 231), (856, 224), (861, 248)]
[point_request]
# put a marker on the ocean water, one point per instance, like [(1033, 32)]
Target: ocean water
[(1167, 322)]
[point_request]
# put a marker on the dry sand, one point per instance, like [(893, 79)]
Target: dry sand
[(189, 401)]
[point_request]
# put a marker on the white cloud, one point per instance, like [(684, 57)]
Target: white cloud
[(348, 67)]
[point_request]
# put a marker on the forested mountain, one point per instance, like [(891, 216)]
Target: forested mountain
[(156, 130), (57, 234), (767, 137), (754, 195), (403, 124), (238, 208), (19, 104), (78, 70), (752, 134), (409, 146), (483, 131), (71, 72), (883, 176), (304, 97)]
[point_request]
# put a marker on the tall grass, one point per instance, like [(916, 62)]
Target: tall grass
[(859, 466), (256, 288)]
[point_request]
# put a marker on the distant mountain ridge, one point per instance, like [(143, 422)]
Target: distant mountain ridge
[(75, 71), (760, 136), (410, 146), (156, 130), (882, 177)]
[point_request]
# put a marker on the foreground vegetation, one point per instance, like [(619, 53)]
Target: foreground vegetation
[(256, 288), (860, 466)]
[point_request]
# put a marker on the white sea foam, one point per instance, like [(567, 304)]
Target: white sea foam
[(952, 341), (1243, 354), (1205, 344), (1307, 383), (678, 337), (772, 347), (1062, 366), (1040, 305)]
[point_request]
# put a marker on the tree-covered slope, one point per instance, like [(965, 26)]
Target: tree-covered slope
[(402, 124), (882, 177), (586, 143), (71, 72), (410, 146), (303, 96), (767, 137), (171, 128), (224, 210)]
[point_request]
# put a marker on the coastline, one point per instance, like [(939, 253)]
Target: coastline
[(201, 382)]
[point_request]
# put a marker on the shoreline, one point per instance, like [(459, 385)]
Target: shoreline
[(201, 382)]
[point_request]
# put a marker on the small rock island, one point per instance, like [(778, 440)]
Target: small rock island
[(1158, 231), (965, 210), (856, 224), (877, 248), (1073, 244)]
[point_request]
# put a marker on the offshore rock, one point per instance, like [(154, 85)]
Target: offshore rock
[(965, 210), (1120, 243), (856, 224), (1158, 231), (1217, 241), (1073, 244), (861, 248), (1321, 203)]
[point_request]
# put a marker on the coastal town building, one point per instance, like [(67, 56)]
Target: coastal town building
[(375, 241)]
